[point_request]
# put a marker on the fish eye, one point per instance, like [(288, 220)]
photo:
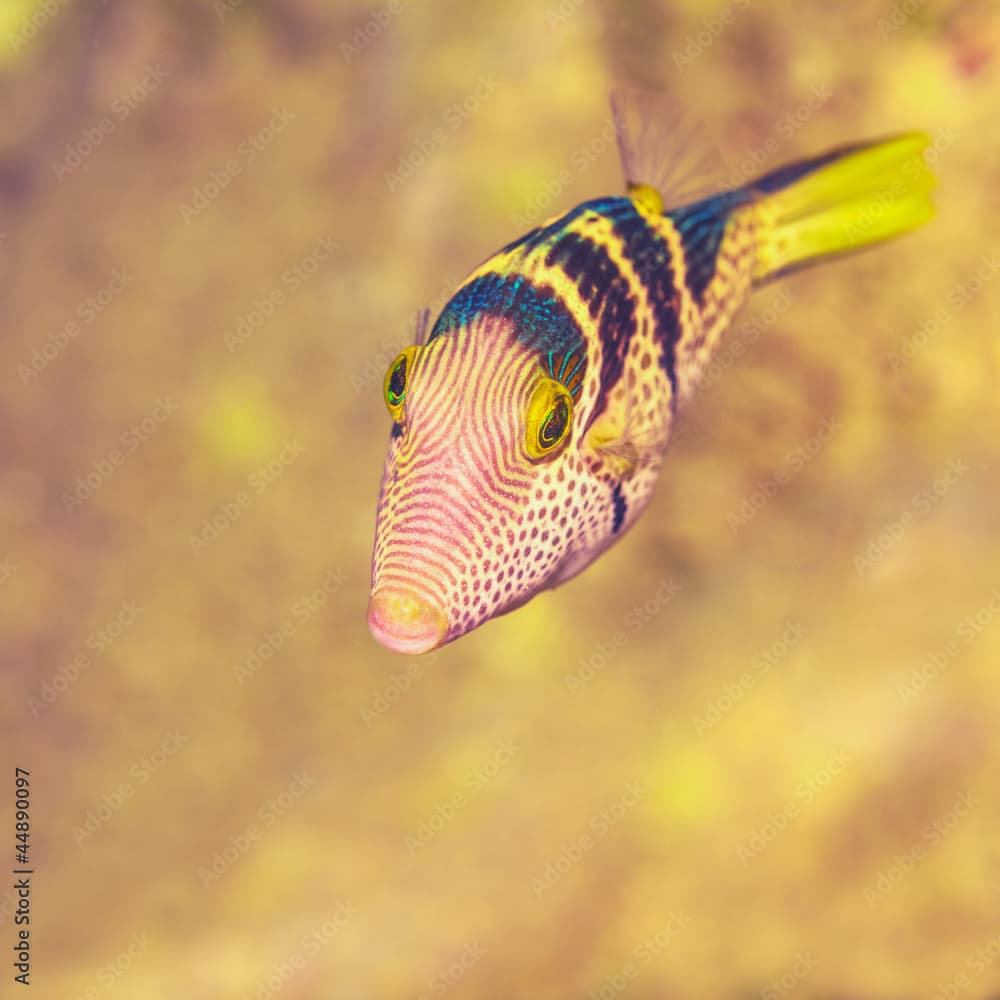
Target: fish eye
[(396, 380), (550, 415)]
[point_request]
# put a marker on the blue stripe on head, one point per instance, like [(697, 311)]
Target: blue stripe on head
[(539, 317), (574, 369)]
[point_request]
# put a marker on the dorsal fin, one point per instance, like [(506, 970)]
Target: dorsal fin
[(663, 151)]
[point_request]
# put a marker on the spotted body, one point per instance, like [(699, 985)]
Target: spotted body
[(530, 428)]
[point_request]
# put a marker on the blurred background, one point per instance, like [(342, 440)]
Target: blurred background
[(752, 751)]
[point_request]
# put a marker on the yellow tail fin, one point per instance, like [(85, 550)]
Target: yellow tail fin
[(840, 201)]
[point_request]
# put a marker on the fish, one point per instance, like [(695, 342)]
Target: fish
[(530, 421)]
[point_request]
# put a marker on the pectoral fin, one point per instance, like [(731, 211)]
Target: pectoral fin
[(609, 440)]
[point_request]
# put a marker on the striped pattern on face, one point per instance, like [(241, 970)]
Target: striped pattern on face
[(468, 524)]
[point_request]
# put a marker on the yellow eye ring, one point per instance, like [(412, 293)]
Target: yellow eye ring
[(550, 416), (396, 381)]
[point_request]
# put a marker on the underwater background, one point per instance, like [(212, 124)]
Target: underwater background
[(752, 751)]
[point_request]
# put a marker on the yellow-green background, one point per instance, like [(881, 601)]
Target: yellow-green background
[(490, 718)]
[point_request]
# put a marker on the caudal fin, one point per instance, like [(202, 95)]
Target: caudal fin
[(839, 202)]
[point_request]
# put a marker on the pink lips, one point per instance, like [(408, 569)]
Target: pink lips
[(404, 623)]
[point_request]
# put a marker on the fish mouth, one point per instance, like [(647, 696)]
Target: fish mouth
[(405, 623)]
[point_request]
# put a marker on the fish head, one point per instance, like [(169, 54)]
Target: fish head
[(488, 490)]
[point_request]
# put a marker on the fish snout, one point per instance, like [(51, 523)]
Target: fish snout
[(405, 623)]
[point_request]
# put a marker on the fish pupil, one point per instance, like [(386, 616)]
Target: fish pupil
[(555, 424), (397, 383)]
